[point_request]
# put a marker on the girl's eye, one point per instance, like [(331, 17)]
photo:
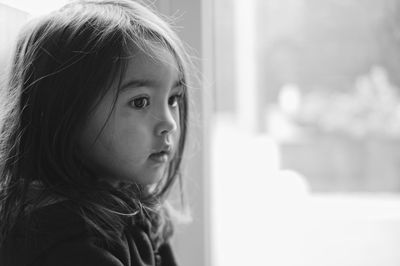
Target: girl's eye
[(140, 102), (174, 100)]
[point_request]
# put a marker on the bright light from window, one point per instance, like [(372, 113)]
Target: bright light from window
[(35, 8)]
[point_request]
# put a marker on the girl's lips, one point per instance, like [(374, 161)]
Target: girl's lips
[(160, 157)]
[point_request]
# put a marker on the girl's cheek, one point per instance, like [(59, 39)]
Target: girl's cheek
[(126, 111)]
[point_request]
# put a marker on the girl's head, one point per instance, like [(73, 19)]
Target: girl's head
[(98, 91), (133, 132)]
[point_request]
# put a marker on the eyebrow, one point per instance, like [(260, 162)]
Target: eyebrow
[(145, 83)]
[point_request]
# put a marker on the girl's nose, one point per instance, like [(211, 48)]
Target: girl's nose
[(166, 123)]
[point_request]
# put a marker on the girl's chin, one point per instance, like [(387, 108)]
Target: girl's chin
[(150, 181), (147, 179)]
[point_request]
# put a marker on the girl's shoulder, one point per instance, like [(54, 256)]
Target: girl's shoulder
[(57, 235)]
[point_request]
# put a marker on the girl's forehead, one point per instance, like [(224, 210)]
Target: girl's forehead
[(160, 65)]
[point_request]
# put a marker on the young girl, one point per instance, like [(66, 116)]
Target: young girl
[(92, 138)]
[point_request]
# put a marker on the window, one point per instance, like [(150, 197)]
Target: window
[(306, 142)]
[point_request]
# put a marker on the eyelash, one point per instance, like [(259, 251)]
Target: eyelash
[(137, 103)]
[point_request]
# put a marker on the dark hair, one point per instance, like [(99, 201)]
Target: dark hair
[(64, 64)]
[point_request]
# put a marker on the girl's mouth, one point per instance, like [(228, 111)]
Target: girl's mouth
[(160, 157)]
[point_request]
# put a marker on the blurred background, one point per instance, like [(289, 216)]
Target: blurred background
[(307, 132), (298, 153)]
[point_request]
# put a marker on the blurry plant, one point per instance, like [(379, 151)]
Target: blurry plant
[(372, 108)]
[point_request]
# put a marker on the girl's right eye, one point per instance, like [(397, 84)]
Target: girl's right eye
[(140, 102)]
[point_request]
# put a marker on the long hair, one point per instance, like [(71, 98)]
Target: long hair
[(64, 64)]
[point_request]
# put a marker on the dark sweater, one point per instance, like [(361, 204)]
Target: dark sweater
[(58, 236)]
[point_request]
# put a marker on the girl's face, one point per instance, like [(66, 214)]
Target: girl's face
[(136, 140)]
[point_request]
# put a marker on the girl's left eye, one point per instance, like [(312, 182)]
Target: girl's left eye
[(174, 100)]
